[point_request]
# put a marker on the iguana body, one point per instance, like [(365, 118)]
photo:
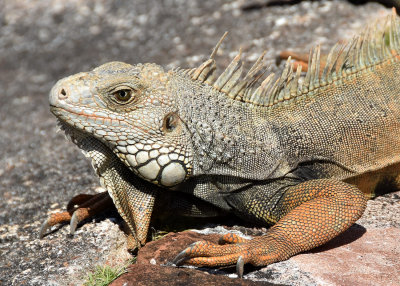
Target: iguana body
[(266, 3), (294, 157)]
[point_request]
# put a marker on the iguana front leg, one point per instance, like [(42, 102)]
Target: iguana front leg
[(310, 214), (79, 208)]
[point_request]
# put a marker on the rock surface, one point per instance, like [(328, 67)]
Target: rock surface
[(44, 40), (360, 256), (153, 265)]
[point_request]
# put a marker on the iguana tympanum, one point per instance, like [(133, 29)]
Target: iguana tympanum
[(301, 153)]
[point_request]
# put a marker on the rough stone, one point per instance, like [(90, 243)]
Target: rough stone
[(162, 251), (153, 265), (147, 275), (358, 257)]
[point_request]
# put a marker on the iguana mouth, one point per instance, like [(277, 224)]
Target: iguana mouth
[(165, 168), (83, 140), (72, 134)]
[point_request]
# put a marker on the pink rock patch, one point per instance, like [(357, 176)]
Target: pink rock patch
[(372, 259)]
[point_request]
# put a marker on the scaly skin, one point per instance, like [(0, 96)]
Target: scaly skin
[(266, 3), (296, 158)]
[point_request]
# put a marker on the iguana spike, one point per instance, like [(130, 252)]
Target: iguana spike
[(250, 79), (215, 50), (313, 67), (317, 66), (257, 97), (274, 88), (359, 61), (250, 88), (396, 28), (237, 90), (286, 86), (265, 87), (372, 44), (235, 78), (361, 55), (329, 63), (332, 73), (395, 39), (294, 86), (384, 48), (257, 75), (392, 41), (370, 48), (283, 79), (366, 46), (349, 49), (354, 55), (189, 71), (257, 65), (229, 72), (306, 82), (206, 70), (278, 94)]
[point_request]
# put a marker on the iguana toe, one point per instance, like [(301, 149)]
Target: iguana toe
[(79, 208), (43, 229), (183, 255), (204, 253), (78, 216), (53, 219), (231, 238), (240, 267)]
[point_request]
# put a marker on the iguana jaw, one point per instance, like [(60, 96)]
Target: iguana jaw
[(137, 210)]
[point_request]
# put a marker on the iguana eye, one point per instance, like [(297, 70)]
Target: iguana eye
[(170, 122), (123, 95)]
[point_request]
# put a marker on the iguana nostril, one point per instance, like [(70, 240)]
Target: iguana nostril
[(63, 94)]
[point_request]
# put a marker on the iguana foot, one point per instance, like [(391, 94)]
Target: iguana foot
[(205, 248), (259, 251), (313, 212), (79, 208)]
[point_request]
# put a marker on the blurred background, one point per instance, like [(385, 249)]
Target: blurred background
[(42, 41)]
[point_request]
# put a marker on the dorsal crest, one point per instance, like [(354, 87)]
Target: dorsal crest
[(370, 48)]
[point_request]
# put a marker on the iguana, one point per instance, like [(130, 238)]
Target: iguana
[(258, 4), (301, 153)]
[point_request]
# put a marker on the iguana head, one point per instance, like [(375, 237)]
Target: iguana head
[(129, 109)]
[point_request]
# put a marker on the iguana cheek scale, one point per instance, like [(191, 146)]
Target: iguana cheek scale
[(288, 151)]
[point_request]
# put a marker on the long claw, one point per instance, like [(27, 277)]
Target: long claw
[(43, 229), (79, 208), (180, 258), (183, 255), (240, 267), (73, 224)]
